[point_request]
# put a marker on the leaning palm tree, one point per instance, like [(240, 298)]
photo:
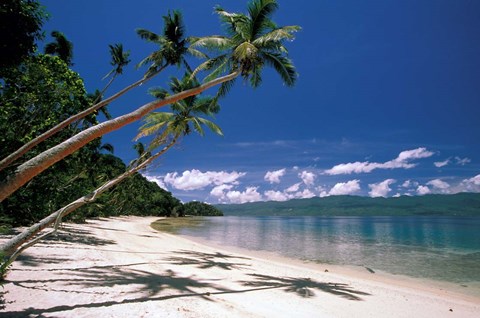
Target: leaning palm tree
[(167, 129), (253, 41), (61, 47), (168, 43), (173, 45), (185, 115), (246, 56)]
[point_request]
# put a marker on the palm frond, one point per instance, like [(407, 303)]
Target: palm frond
[(220, 66), (255, 77), (260, 12), (158, 92), (148, 35), (283, 66), (214, 42), (153, 123), (225, 87), (276, 36), (174, 29), (211, 125)]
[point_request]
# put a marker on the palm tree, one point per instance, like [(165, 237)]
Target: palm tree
[(61, 47), (167, 128), (246, 58), (253, 41), (173, 45), (185, 115), (119, 60)]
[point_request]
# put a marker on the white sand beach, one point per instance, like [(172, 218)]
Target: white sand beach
[(121, 267)]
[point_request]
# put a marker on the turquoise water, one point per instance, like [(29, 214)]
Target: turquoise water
[(439, 248)]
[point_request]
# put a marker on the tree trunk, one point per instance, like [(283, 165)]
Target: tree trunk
[(41, 162), (25, 148), (13, 247)]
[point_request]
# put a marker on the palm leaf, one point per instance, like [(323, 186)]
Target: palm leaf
[(283, 66), (212, 126), (277, 35), (260, 12)]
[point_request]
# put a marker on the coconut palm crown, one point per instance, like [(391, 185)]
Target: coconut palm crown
[(253, 41), (185, 115), (173, 45)]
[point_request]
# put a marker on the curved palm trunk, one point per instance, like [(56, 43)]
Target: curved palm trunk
[(16, 245), (41, 162), (25, 148)]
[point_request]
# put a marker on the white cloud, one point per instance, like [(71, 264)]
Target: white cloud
[(438, 184), (219, 191), (274, 176), (195, 179), (344, 188), (422, 190), (249, 195), (157, 180), (402, 161), (410, 183), (470, 185), (440, 164), (293, 188), (462, 161), (305, 194), (275, 196), (307, 177), (380, 189)]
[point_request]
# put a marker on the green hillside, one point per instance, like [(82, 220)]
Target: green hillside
[(462, 204)]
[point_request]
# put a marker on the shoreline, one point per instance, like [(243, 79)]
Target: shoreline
[(121, 267), (469, 293)]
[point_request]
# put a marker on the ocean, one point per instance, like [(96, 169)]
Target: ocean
[(432, 247)]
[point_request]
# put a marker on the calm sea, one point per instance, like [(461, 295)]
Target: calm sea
[(439, 248)]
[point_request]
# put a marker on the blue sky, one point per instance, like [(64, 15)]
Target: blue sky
[(387, 101)]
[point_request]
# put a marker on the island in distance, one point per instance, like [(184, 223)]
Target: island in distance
[(461, 204)]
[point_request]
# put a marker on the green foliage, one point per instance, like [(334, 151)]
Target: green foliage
[(61, 47), (253, 41), (462, 204), (20, 26), (196, 208)]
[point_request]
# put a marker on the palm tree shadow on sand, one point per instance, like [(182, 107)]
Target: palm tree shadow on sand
[(207, 260), (304, 287), (133, 283)]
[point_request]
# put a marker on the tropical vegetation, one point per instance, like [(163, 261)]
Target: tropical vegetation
[(51, 136)]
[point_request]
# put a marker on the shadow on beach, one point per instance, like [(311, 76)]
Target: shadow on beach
[(207, 260), (145, 281)]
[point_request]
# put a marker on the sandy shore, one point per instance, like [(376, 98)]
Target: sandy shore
[(120, 267)]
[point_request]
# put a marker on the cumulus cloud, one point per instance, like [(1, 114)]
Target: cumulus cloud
[(157, 180), (440, 164), (439, 184), (195, 179), (307, 177), (293, 188), (409, 183), (402, 161), (380, 189), (274, 176), (345, 188), (471, 185), (219, 191), (249, 195), (276, 196), (422, 190), (305, 194)]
